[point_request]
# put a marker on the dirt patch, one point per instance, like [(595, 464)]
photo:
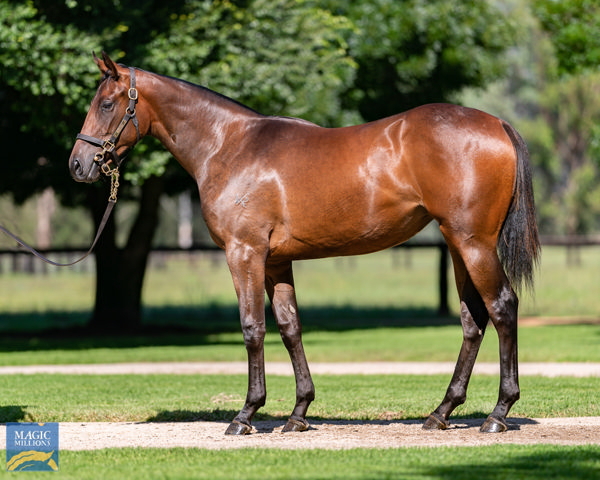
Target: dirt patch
[(554, 369), (324, 435), (542, 321)]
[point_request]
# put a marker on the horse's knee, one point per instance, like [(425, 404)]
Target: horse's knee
[(254, 335)]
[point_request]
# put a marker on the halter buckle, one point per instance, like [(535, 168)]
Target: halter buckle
[(108, 146), (133, 94)]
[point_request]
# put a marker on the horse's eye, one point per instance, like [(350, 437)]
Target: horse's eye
[(107, 106)]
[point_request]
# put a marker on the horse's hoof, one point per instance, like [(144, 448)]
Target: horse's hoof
[(238, 428), (493, 425), (435, 422), (294, 425)]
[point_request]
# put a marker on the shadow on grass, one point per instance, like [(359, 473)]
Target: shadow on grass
[(191, 326), (556, 462), (12, 413)]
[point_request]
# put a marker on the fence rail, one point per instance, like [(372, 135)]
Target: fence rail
[(16, 260)]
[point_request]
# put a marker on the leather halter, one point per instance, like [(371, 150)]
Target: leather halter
[(109, 147)]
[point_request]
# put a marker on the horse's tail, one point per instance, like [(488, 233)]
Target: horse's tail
[(518, 243)]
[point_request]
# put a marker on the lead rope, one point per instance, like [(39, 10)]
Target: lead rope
[(112, 199)]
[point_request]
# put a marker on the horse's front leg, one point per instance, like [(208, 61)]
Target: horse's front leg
[(247, 267), (280, 287)]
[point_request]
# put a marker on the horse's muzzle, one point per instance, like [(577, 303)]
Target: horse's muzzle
[(81, 174)]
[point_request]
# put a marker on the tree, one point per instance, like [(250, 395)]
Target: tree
[(570, 108), (43, 77), (572, 26), (412, 52)]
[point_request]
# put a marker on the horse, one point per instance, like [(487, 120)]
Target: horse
[(276, 189)]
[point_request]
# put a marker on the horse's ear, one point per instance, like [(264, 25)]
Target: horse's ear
[(107, 66)]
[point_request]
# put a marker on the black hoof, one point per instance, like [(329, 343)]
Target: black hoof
[(493, 425), (435, 422), (238, 428), (294, 425)]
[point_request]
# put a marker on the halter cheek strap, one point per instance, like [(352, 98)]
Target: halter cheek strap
[(109, 147)]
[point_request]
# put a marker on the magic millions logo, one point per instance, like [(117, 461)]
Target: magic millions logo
[(31, 447)]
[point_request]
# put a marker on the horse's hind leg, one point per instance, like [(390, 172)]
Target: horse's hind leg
[(474, 318), (487, 275), (280, 288)]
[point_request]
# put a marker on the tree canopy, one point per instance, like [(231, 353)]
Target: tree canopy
[(573, 30), (414, 52)]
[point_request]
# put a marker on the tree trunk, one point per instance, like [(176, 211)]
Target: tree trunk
[(120, 271)]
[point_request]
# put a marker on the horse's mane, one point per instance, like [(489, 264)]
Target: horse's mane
[(203, 89)]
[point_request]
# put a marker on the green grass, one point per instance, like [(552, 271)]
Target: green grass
[(562, 343), (500, 462), (73, 398)]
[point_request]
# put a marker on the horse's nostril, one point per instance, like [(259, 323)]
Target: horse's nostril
[(77, 168)]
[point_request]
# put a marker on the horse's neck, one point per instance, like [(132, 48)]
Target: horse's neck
[(194, 123)]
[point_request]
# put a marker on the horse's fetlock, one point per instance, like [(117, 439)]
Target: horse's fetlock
[(513, 395), (308, 396), (257, 400), (457, 396)]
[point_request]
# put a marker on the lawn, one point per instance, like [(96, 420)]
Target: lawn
[(140, 398), (501, 462), (80, 398), (561, 343)]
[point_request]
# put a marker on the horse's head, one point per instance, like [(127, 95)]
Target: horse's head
[(111, 127)]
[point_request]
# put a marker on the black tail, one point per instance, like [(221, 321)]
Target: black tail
[(518, 243)]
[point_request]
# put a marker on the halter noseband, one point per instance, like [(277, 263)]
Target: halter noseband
[(109, 147)]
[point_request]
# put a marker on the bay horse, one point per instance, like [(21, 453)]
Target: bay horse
[(276, 189)]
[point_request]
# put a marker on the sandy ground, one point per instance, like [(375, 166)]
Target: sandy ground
[(322, 434), (285, 368)]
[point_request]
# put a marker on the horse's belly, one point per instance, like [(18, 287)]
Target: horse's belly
[(339, 235)]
